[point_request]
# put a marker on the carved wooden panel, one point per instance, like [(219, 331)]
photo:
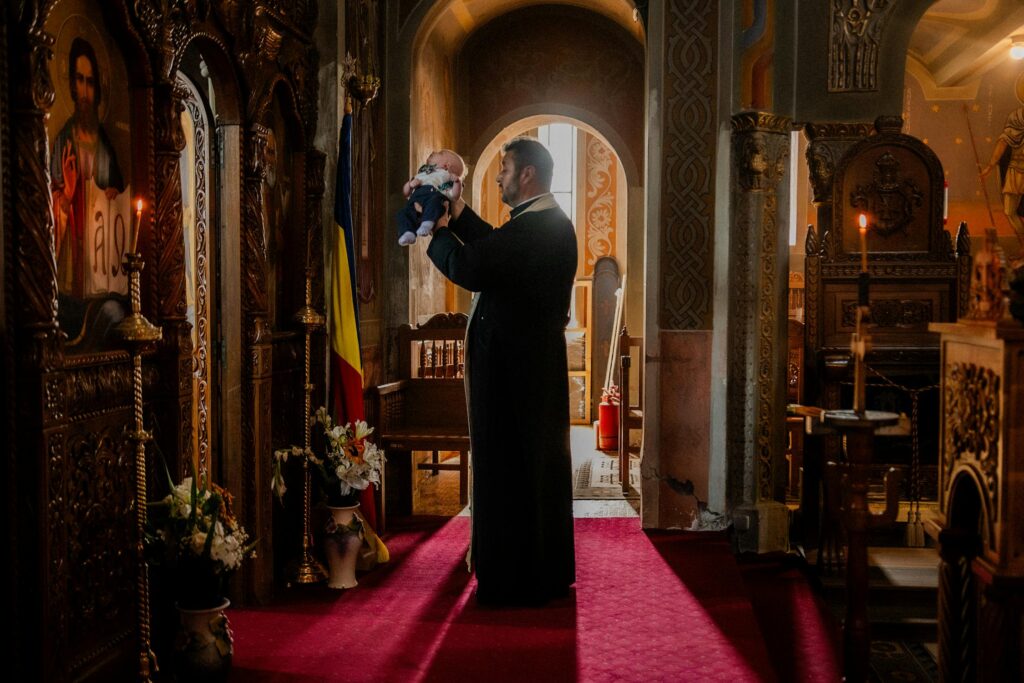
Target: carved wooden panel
[(77, 577), (971, 411)]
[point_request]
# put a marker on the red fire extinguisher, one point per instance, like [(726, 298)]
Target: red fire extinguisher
[(608, 420)]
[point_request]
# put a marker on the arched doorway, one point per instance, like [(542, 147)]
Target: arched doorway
[(590, 185)]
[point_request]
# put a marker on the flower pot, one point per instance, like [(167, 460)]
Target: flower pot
[(204, 646), (341, 546)]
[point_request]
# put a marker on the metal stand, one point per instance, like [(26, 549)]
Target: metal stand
[(308, 570), (137, 333)]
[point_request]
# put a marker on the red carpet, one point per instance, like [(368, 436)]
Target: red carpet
[(658, 607), (802, 636)]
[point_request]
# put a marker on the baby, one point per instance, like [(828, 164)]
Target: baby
[(440, 181)]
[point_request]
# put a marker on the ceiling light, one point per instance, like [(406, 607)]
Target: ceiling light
[(1017, 46)]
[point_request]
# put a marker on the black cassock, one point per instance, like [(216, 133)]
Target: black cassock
[(518, 388)]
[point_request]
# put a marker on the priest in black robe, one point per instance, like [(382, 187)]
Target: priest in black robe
[(522, 277)]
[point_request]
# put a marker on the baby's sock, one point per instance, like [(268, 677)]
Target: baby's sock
[(407, 238), (425, 228)]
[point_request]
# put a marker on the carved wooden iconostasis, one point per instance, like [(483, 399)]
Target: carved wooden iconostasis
[(206, 112)]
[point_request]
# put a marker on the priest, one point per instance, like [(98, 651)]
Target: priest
[(522, 276)]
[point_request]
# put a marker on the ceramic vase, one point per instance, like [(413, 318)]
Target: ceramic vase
[(341, 546), (204, 647)]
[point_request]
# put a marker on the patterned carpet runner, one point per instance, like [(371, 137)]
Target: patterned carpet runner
[(646, 607)]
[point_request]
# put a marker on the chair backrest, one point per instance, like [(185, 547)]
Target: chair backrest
[(433, 350), (626, 345)]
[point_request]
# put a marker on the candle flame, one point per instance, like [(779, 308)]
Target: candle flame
[(138, 206), (863, 221)]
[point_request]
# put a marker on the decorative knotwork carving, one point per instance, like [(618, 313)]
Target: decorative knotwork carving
[(890, 200), (688, 165), (972, 424), (100, 494), (855, 31), (891, 312)]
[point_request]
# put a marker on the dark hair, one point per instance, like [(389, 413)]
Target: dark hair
[(81, 48), (527, 151)]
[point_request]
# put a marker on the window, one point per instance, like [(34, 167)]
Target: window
[(560, 139)]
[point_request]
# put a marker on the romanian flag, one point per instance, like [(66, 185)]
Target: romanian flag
[(346, 366)]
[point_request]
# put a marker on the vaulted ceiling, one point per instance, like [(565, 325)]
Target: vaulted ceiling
[(957, 41), (453, 21)]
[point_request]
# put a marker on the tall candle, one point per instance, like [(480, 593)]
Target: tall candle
[(863, 220), (137, 227)]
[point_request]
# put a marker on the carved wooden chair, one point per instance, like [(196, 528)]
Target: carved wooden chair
[(425, 408)]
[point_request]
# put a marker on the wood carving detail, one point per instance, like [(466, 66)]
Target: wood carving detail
[(35, 260), (169, 241), (973, 424), (254, 231), (855, 33), (101, 494), (889, 200), (98, 388), (891, 313)]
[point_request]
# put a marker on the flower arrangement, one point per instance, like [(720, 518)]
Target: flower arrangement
[(350, 464), (194, 532)]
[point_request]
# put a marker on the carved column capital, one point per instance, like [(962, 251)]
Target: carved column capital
[(828, 143), (762, 144)]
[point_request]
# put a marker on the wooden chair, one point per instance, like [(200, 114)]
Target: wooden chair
[(425, 408), (631, 415)]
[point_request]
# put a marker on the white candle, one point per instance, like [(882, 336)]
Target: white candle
[(863, 220), (137, 226)]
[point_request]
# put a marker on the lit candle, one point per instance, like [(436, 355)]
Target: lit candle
[(863, 220), (137, 227)]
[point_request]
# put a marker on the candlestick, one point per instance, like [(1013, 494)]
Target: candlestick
[(136, 227), (138, 333), (863, 220)]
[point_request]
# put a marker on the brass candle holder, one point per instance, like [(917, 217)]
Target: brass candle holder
[(308, 569), (137, 333)]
